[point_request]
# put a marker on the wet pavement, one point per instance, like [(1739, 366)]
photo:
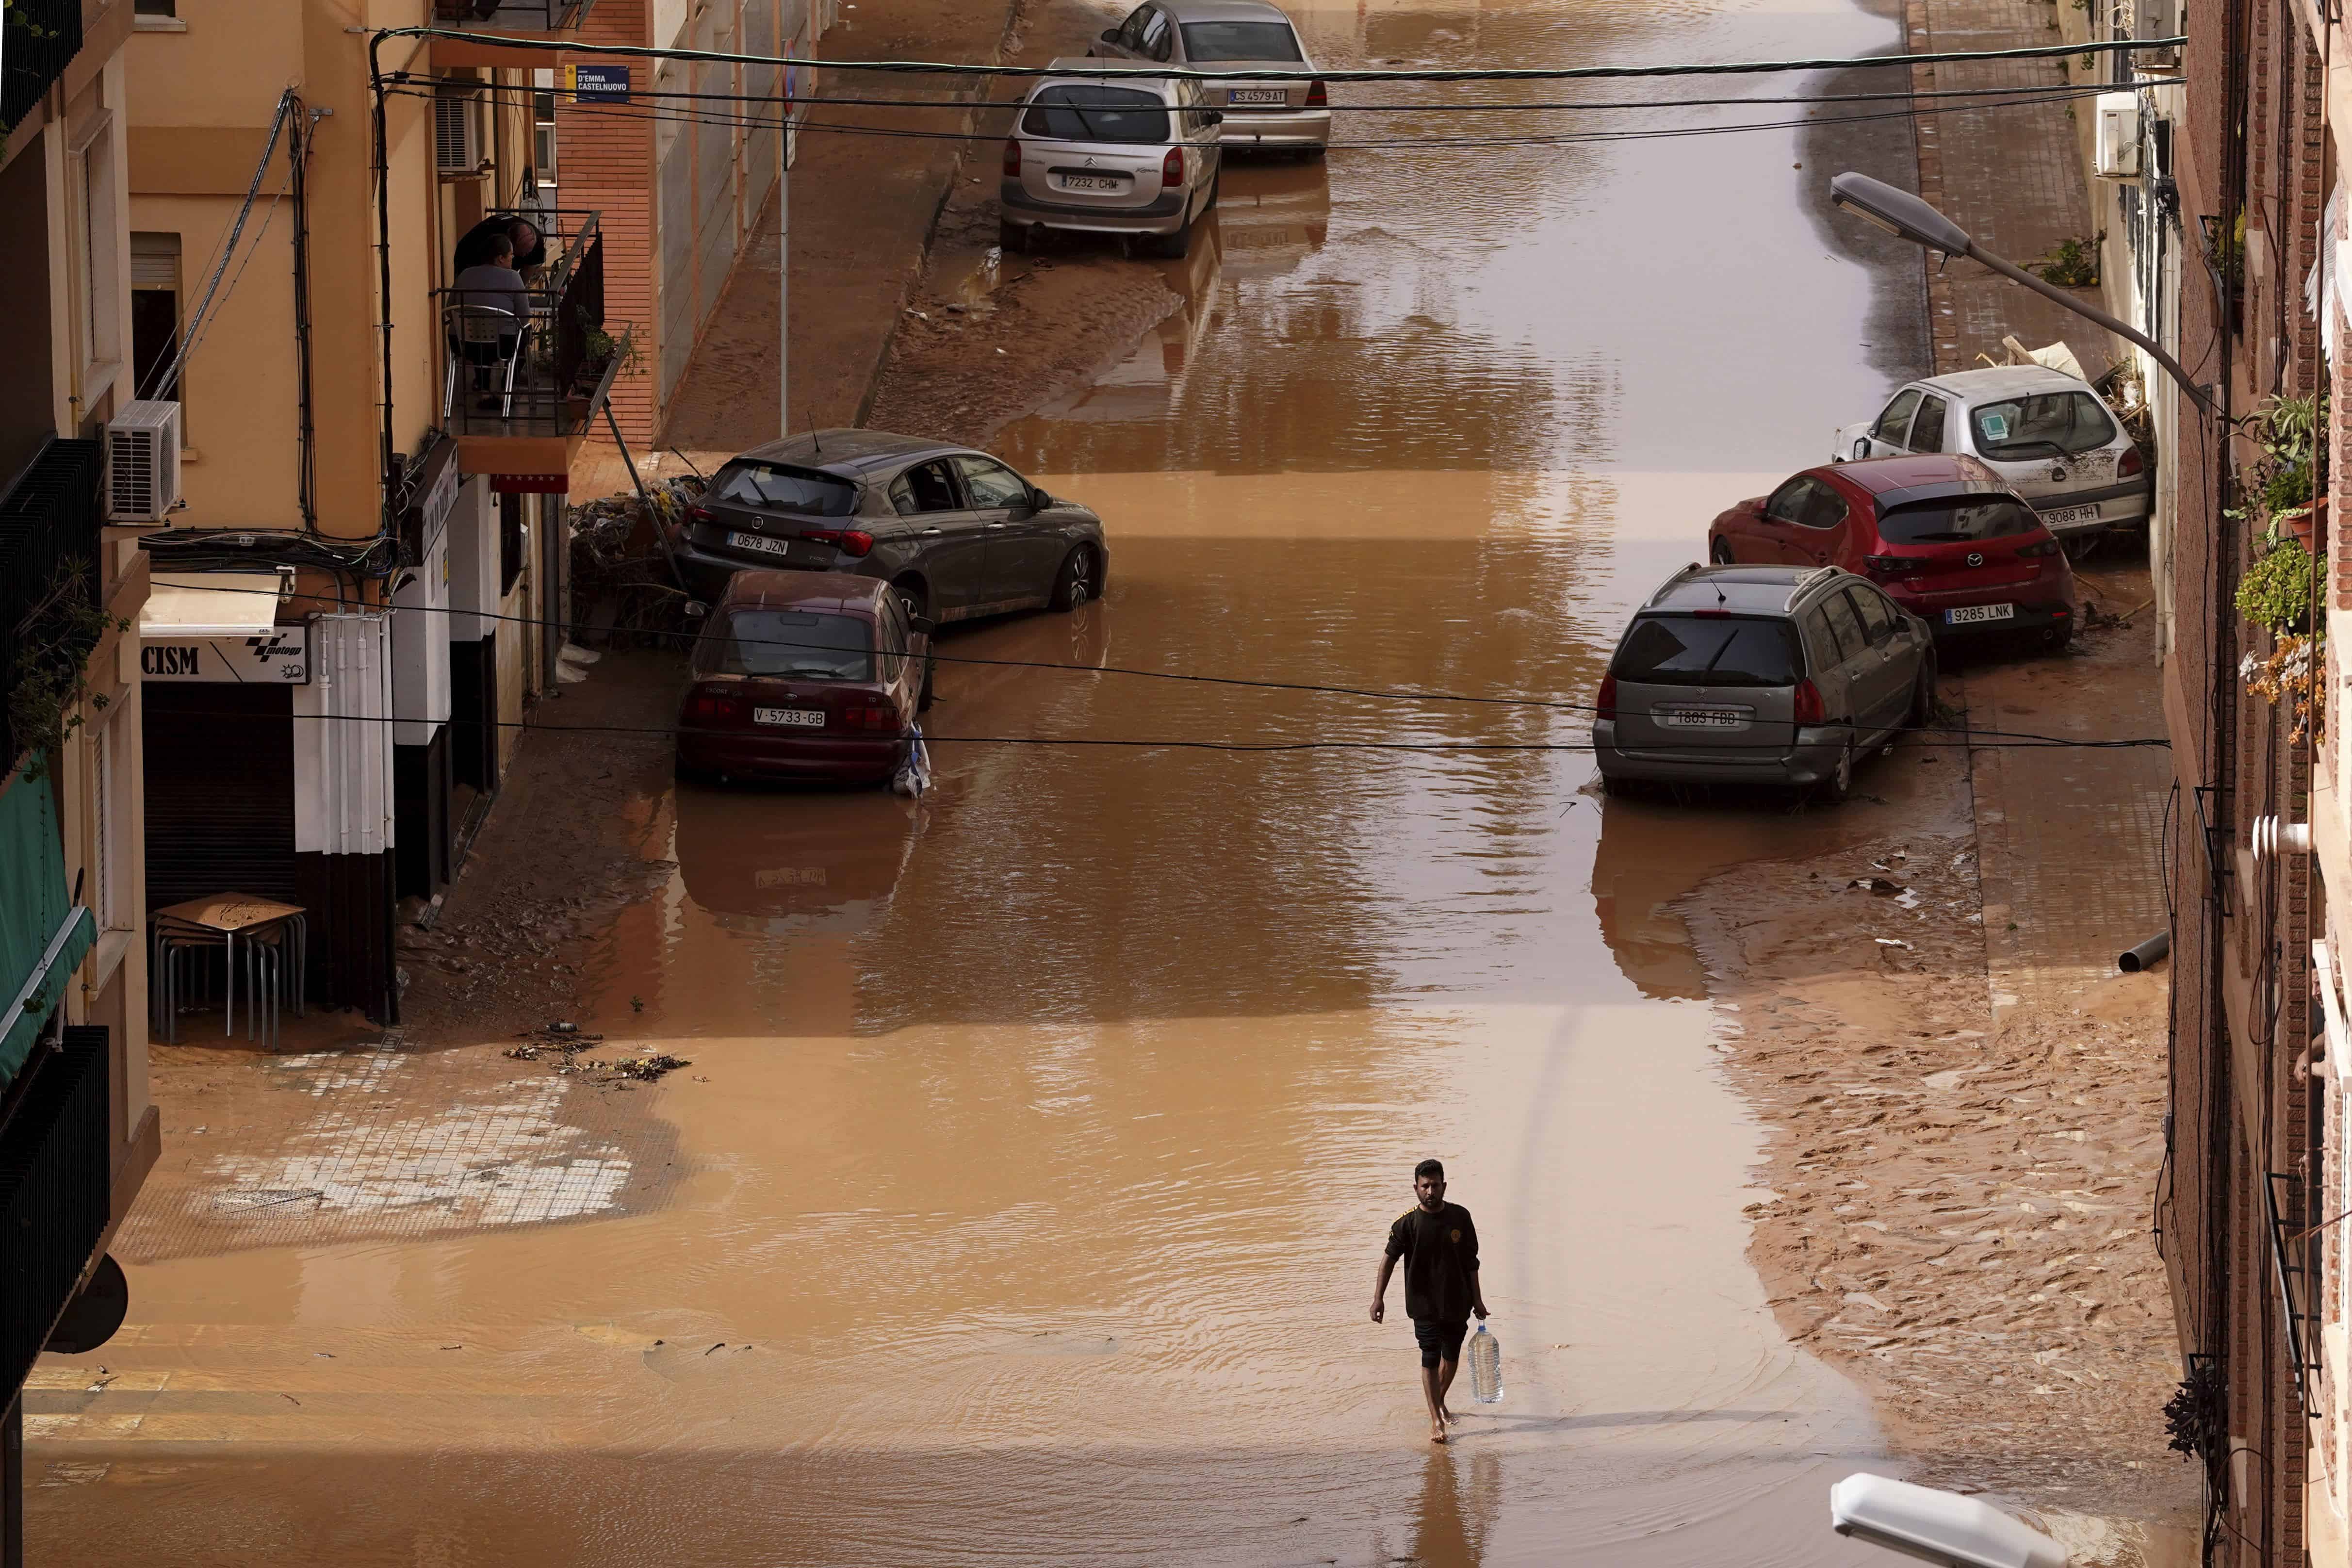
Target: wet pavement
[(1022, 1198)]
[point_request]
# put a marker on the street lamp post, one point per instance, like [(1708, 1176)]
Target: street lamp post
[(1901, 213)]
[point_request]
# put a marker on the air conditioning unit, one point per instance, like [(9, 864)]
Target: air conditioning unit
[(142, 462), (456, 134), (2118, 156), (2156, 20)]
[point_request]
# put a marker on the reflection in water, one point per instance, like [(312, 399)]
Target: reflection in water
[(1456, 1510), (786, 863)]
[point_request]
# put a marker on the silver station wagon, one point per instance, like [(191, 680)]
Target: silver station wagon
[(1236, 36), (1761, 675), (2047, 434), (1098, 155)]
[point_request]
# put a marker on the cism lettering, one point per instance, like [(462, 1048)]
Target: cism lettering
[(169, 660)]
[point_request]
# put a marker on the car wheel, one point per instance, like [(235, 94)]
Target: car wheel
[(1172, 246), (1617, 789), (1922, 695), (1075, 584), (2081, 546), (1720, 552), (923, 701), (912, 595), (1011, 236), (1834, 789)]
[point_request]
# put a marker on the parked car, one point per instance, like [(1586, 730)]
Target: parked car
[(1233, 34), (959, 535), (2045, 432), (1110, 155), (1945, 535), (1771, 675), (805, 675)]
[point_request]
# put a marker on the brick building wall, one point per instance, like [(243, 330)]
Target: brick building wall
[(606, 156)]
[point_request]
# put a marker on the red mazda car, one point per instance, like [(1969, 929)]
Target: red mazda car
[(805, 675), (1942, 534)]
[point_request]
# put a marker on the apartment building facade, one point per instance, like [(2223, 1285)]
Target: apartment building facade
[(77, 1131)]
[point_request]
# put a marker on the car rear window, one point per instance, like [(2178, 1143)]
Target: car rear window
[(803, 645), (1950, 521), (792, 490), (1240, 41), (2042, 426), (1075, 114), (1708, 650)]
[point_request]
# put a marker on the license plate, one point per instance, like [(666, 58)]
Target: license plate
[(1256, 95), (803, 718), (1702, 719), (1093, 182), (2067, 516), (1969, 615), (761, 542)]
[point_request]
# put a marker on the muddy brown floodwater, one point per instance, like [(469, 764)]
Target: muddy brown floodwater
[(1022, 1197)]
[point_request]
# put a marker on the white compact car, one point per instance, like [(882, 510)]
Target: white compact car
[(2044, 432), (1135, 155), (1238, 36)]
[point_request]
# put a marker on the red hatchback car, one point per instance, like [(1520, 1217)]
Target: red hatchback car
[(1943, 534), (805, 675)]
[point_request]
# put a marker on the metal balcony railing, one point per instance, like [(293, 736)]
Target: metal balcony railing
[(51, 523), (514, 16), (37, 38), (552, 378), (54, 1191)]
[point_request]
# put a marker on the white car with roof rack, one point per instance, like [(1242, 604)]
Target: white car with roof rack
[(2051, 437)]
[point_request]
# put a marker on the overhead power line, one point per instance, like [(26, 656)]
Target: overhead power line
[(1108, 70)]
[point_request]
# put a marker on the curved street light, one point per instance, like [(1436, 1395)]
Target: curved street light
[(1905, 217)]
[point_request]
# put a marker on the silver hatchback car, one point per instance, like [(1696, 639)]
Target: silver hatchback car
[(1771, 675), (1110, 155), (1240, 36)]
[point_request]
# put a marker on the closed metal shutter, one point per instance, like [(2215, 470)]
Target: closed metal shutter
[(220, 791), (155, 260)]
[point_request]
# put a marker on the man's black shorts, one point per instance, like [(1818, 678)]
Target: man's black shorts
[(1438, 1340)]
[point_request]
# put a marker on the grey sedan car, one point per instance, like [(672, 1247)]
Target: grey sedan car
[(958, 533), (1238, 35), (1769, 674)]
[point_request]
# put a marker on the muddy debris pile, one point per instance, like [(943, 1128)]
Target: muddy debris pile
[(620, 572), (562, 1043)]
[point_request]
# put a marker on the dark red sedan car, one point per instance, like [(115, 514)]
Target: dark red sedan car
[(805, 675), (1943, 534)]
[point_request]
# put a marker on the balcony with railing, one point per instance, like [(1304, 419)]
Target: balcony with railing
[(539, 372), (511, 16), (37, 37)]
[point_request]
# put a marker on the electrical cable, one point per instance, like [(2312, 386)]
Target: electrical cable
[(574, 49), (2025, 739), (166, 373)]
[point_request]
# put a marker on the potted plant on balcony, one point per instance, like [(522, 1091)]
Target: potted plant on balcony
[(600, 350)]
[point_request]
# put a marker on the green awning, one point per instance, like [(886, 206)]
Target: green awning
[(43, 934)]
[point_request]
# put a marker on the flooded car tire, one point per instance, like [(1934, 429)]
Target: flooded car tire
[(1834, 789), (1011, 236), (1075, 584), (1922, 697), (931, 667)]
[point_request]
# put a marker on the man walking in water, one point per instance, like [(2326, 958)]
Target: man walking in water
[(1440, 1249)]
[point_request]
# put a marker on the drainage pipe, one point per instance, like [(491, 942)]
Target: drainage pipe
[(2139, 958)]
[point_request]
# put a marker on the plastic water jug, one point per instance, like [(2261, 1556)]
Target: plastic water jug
[(1485, 1367)]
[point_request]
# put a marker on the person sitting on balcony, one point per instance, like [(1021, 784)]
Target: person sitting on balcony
[(529, 245), (493, 283)]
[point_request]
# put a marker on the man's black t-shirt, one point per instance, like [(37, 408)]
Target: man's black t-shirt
[(1441, 1262)]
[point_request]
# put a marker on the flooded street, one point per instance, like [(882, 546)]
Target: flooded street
[(1023, 1196)]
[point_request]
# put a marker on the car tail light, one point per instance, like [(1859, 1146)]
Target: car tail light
[(1606, 708), (1807, 704), (2039, 549), (700, 514), (870, 718), (848, 541), (1319, 94), (1172, 168), (2129, 464), (1883, 567), (1012, 157), (708, 706)]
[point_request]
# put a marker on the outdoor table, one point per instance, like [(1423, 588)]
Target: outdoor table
[(234, 919)]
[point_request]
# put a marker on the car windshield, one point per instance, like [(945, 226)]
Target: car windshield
[(1240, 41), (1097, 114), (1961, 518), (798, 644), (792, 490), (2045, 424), (1708, 650)]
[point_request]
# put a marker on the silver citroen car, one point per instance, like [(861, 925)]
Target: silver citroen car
[(1240, 36), (1110, 155)]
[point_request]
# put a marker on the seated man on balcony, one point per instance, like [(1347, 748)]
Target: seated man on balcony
[(494, 284), (529, 246)]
